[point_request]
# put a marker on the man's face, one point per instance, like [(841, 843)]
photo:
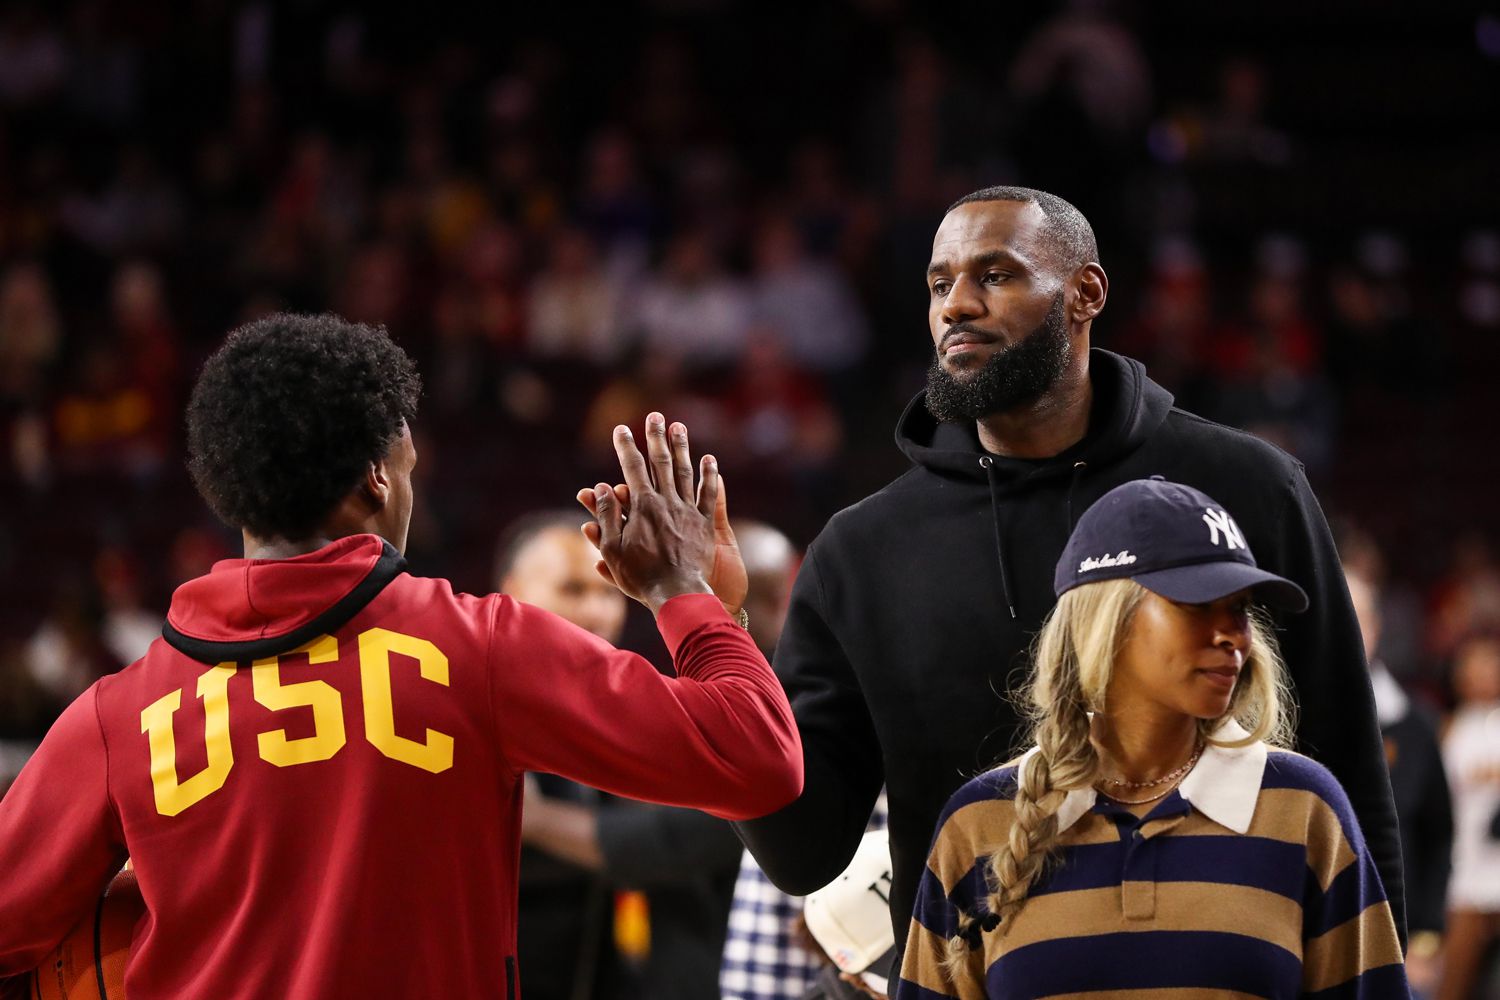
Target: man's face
[(555, 572), (996, 310)]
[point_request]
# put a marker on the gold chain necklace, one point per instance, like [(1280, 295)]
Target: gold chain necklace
[(1169, 776)]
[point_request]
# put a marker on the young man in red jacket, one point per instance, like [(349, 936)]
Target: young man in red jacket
[(317, 771)]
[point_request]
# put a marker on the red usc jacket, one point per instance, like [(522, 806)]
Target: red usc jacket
[(317, 775)]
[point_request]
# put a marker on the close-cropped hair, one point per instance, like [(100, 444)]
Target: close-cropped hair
[(1073, 659), (287, 415), (1069, 235), (520, 533)]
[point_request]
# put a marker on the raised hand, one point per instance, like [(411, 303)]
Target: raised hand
[(667, 544), (728, 578)]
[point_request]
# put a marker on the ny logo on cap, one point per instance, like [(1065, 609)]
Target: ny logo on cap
[(1219, 521)]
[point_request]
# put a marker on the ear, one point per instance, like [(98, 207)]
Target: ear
[(1090, 289), (376, 486)]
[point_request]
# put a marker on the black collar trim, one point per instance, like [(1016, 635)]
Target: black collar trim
[(390, 565)]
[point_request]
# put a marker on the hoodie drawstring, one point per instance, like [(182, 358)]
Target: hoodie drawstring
[(1078, 468), (988, 464)]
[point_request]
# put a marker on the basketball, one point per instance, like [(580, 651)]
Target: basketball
[(89, 964)]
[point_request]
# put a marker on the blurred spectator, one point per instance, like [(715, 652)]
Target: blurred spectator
[(33, 56), (684, 861), (652, 380), (765, 957), (575, 303), (1399, 610), (614, 204), (108, 420), (691, 308), (139, 211), (70, 651), (1424, 810), (1174, 326), (148, 337), (1268, 372), (30, 334), (1479, 294), (780, 414), (492, 270), (1081, 74), (128, 629), (1471, 752), (27, 709), (1236, 130), (1375, 336), (1467, 600), (807, 301), (104, 81), (565, 909)]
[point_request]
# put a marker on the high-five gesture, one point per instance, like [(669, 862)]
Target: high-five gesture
[(665, 544)]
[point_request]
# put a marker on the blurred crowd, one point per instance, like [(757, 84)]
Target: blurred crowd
[(705, 208)]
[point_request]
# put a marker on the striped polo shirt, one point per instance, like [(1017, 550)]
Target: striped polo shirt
[(1251, 879)]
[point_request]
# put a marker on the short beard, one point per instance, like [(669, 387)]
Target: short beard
[(1014, 377)]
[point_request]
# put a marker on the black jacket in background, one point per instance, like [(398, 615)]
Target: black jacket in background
[(899, 647), (1425, 810)]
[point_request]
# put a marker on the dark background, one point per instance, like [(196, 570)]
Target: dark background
[(1296, 203)]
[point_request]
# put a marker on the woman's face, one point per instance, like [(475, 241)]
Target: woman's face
[(1181, 659)]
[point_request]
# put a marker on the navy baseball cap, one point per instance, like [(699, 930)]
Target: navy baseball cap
[(1174, 541)]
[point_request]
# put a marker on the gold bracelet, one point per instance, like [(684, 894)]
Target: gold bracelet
[(742, 619)]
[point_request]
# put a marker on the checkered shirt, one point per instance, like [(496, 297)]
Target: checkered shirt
[(763, 960)]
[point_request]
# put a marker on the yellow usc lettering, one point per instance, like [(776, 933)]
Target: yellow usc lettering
[(173, 797), (375, 649), (376, 646), (328, 709)]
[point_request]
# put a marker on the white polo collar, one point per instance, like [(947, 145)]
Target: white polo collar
[(1224, 785)]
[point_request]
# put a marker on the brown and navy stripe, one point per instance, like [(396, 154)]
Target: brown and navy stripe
[(1170, 905)]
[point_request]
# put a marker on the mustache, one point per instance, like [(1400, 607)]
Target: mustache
[(958, 330)]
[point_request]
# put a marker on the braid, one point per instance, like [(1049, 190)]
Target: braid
[(1073, 657), (1065, 759)]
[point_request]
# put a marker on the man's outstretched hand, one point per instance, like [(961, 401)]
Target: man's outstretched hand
[(659, 535)]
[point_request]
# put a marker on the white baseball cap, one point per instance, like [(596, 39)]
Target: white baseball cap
[(850, 917)]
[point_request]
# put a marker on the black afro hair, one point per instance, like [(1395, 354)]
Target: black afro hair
[(288, 413)]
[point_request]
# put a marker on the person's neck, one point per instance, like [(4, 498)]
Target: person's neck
[(1056, 421), (281, 548), (1143, 745)]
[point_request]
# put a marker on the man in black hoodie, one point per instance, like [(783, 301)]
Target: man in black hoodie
[(912, 613)]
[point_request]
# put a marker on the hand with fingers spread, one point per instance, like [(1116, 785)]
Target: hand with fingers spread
[(728, 577), (667, 544)]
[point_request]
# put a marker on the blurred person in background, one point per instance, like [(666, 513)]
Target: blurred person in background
[(70, 650), (575, 940), (1420, 785), (764, 956), (1471, 754), (564, 938), (575, 305), (691, 307), (1466, 600), (1400, 611), (808, 301)]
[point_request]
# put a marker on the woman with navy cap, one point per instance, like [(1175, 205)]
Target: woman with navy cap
[(1158, 839)]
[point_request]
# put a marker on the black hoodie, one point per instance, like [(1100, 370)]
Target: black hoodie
[(911, 617)]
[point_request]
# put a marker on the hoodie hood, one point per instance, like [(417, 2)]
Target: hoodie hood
[(248, 609), (1127, 408)]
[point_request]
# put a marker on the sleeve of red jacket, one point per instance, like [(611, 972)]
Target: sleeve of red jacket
[(719, 736), (60, 840)]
